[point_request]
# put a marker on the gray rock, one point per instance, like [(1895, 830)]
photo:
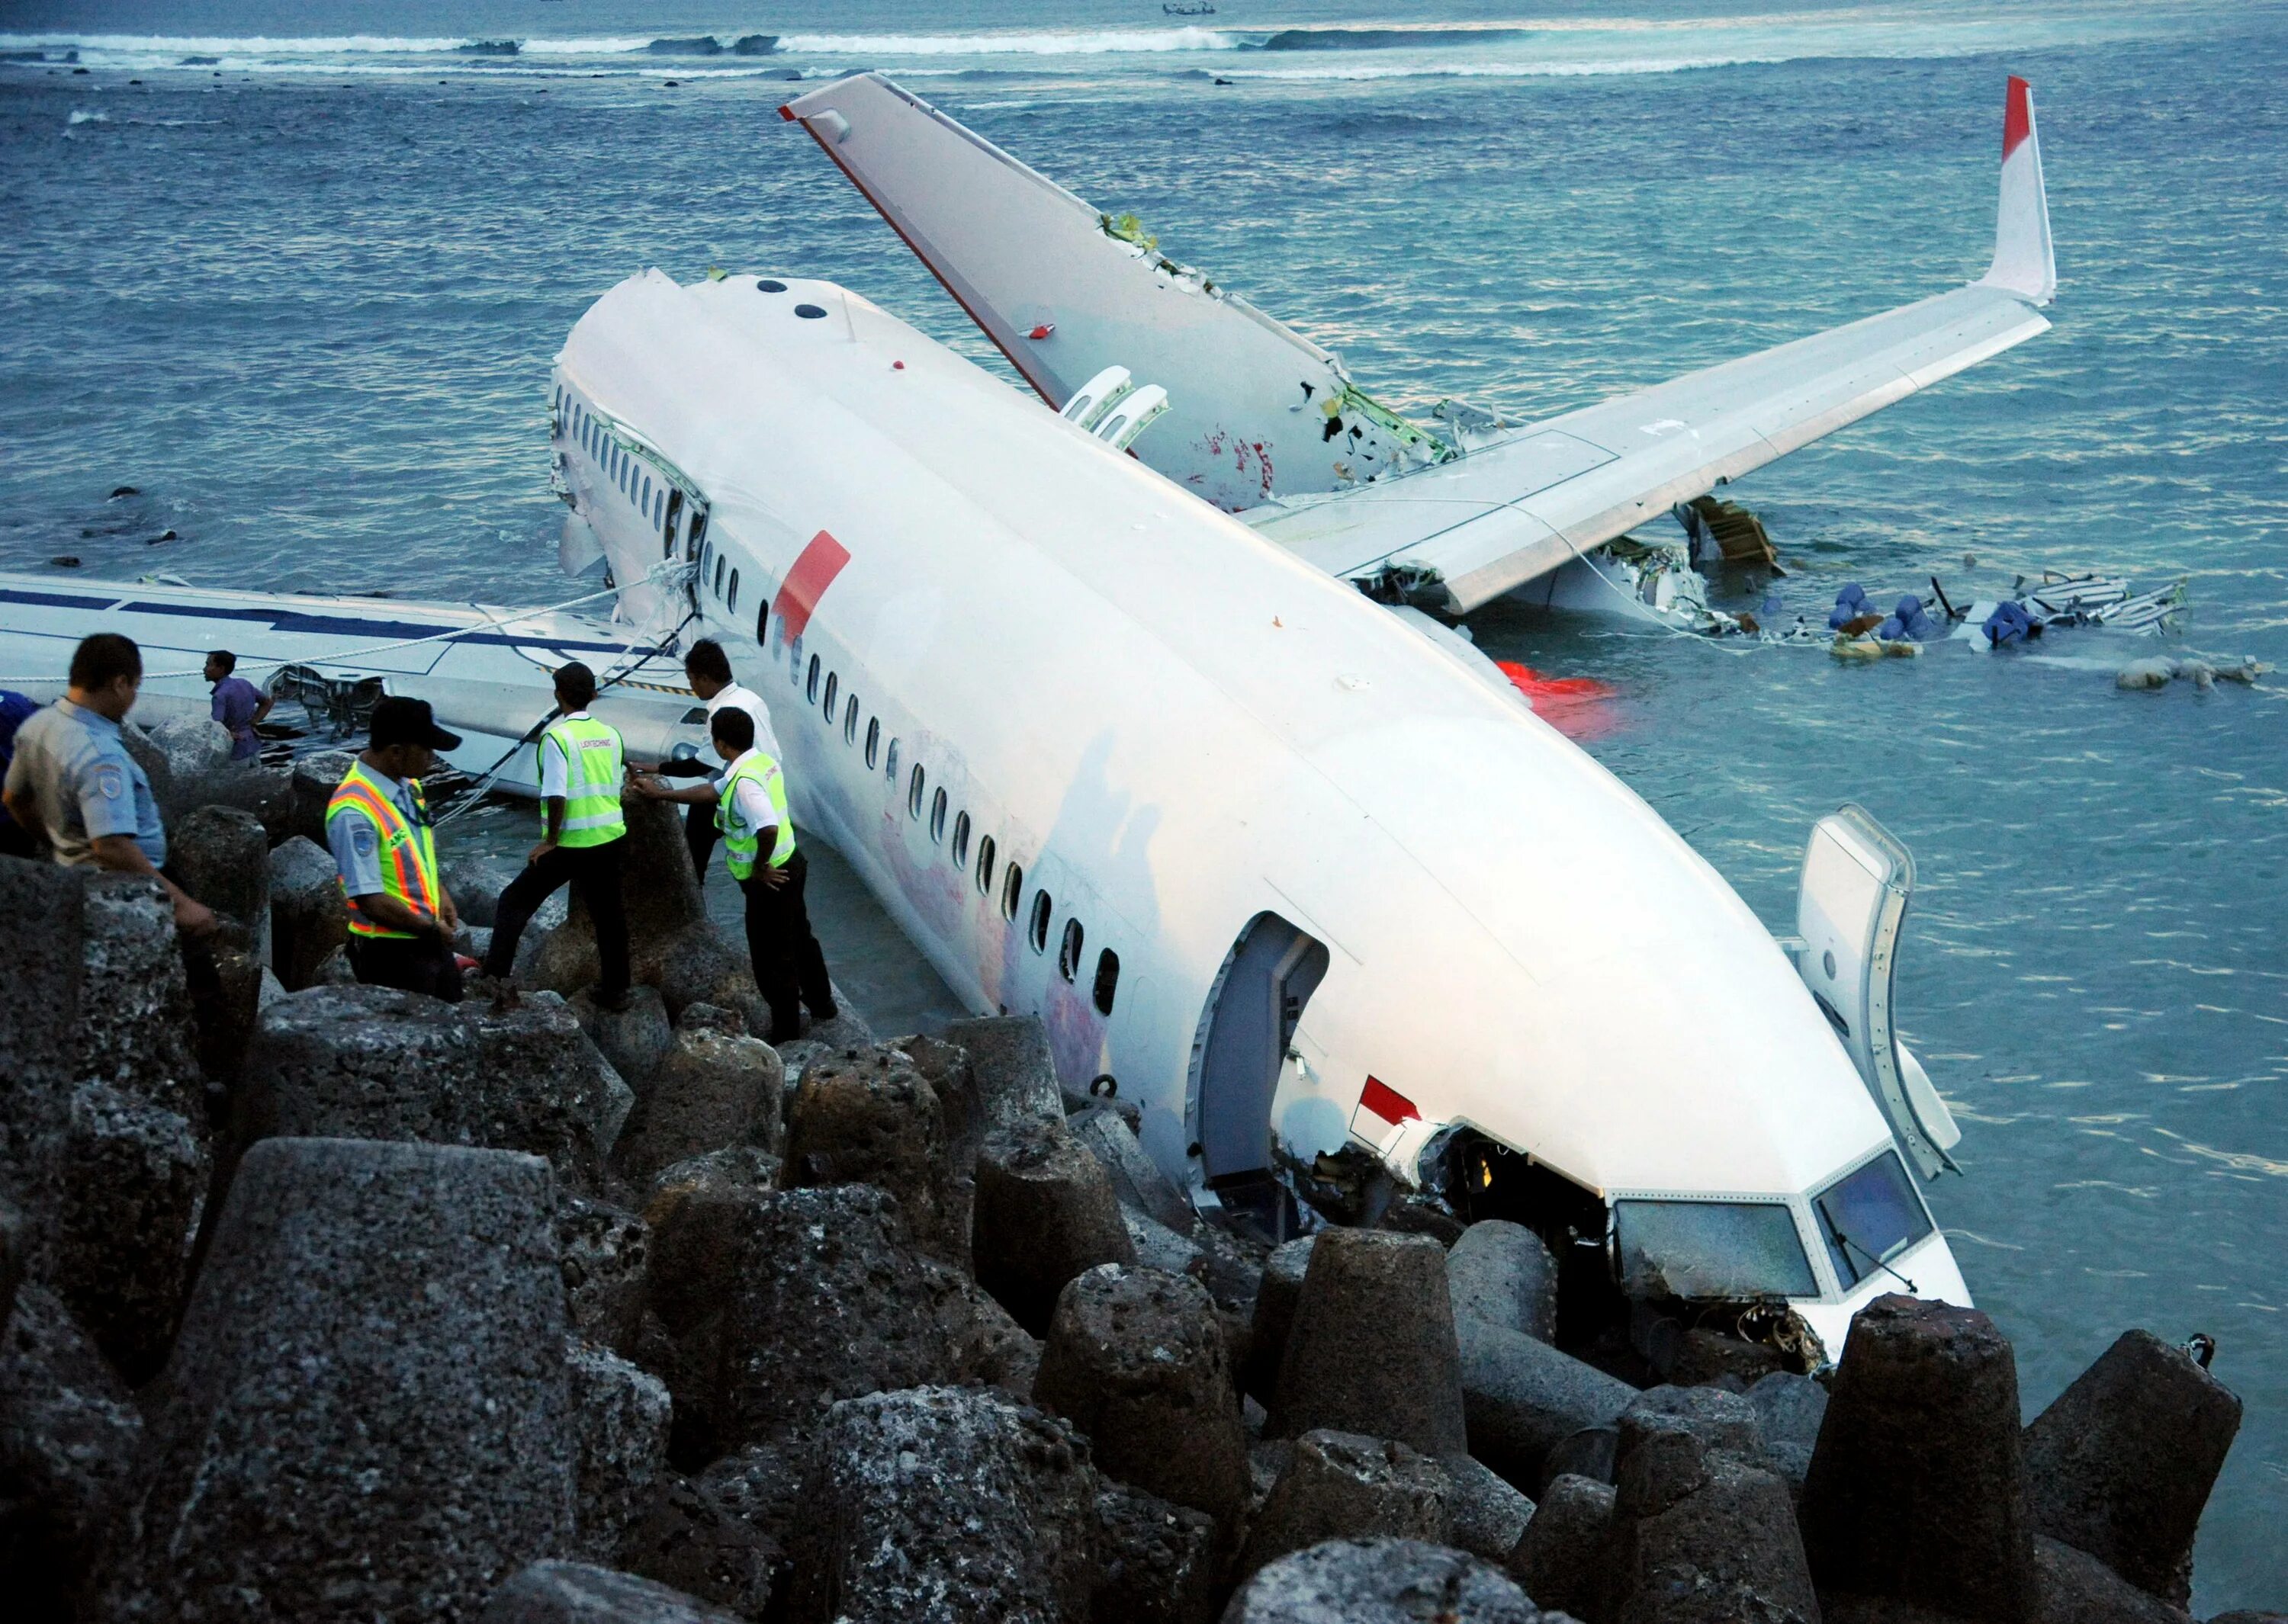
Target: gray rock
[(316, 777), (1159, 1246), (946, 1503), (707, 964), (1587, 1453), (1704, 1356), (1788, 1408), (606, 1253), (12, 1260), (575, 1593), (372, 1362), (620, 1422), (1345, 1485), (1917, 1489), (265, 794), (2072, 1587), (133, 1019), (222, 857), (41, 910), (761, 1486), (1701, 1534), (1422, 1214), (1136, 1178), (867, 1116), (370, 1061), (1046, 1212), (69, 1435), (701, 1213), (473, 941), (1380, 1581), (475, 882), (1718, 1419), (848, 1028), (308, 918), (1486, 1516), (1013, 1071), (1560, 1558), (1502, 1274), (687, 1539), (226, 1016), (709, 1091), (1524, 1397), (191, 743), (635, 1039), (1156, 1562), (1373, 1346), (1280, 1290), (1136, 1361), (829, 1300), (334, 970), (2122, 1462)]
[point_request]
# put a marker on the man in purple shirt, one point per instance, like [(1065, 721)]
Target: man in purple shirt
[(238, 704)]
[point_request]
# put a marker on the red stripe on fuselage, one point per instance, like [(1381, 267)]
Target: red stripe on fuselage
[(2018, 118), (1388, 1102), (806, 582)]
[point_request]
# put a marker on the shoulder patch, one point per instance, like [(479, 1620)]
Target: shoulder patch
[(110, 782), (362, 840)]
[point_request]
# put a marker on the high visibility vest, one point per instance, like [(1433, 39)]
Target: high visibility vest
[(741, 844), (591, 781), (409, 850)]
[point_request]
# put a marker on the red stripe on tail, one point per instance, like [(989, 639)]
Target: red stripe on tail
[(806, 582), (2018, 119), (1388, 1102)]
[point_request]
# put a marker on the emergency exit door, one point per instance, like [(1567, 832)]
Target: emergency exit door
[(1252, 1013)]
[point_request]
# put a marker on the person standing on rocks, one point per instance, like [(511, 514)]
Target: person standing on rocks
[(581, 828), (750, 810), (708, 669), (401, 919), (15, 710), (238, 705), (72, 783)]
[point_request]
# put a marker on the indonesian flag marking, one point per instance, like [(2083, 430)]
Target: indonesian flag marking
[(1381, 1113), (806, 582)]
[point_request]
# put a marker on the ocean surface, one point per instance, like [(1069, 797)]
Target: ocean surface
[(298, 283)]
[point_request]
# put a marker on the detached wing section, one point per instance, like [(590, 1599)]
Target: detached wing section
[(1255, 409), (1475, 528)]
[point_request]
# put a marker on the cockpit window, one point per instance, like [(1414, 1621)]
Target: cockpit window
[(1710, 1249), (1870, 1216)]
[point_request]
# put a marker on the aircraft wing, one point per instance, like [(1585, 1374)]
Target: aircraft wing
[(1271, 425)]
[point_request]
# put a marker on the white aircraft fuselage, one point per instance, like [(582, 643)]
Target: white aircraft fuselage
[(991, 645)]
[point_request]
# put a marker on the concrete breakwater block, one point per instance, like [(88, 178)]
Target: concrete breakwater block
[(370, 1061), (1917, 1488), (620, 1425), (366, 1415), (699, 1214), (316, 777), (658, 890), (606, 1255), (1486, 1515), (869, 1116), (1380, 1581), (711, 1089), (2072, 1587), (1503, 1275), (1046, 1212), (1523, 1398), (69, 1436), (1011, 1068), (221, 856), (308, 917), (1560, 1558), (635, 1038), (1135, 1360), (2121, 1463), (828, 1300), (1276, 1296), (1137, 1179), (1373, 1346), (576, 1593), (688, 1539), (1345, 1486)]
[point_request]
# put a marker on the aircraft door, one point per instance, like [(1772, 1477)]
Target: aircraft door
[(1250, 1022), (1850, 904)]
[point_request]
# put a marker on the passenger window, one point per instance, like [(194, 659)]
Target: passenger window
[(763, 626), (937, 818), (833, 687), (1068, 950), (1012, 886), (914, 793), (810, 682), (985, 867), (1038, 931), (698, 533), (890, 766), (961, 841), (720, 560), (1108, 980), (873, 741), (733, 600), (850, 721), (646, 503)]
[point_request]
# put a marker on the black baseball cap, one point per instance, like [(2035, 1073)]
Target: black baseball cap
[(409, 721)]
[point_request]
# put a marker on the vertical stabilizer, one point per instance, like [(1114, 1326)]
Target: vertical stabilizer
[(2023, 263)]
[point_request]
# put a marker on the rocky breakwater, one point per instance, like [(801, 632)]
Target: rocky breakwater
[(420, 1312)]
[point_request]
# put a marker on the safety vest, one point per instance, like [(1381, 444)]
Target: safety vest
[(740, 842), (591, 781), (409, 850)]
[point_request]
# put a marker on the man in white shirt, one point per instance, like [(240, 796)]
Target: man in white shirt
[(708, 669)]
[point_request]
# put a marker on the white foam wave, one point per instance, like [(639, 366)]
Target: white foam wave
[(1503, 71), (150, 44), (81, 116), (1132, 41)]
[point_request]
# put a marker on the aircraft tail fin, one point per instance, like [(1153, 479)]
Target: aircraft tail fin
[(2023, 261)]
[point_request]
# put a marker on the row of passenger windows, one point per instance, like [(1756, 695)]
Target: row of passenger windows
[(621, 467), (824, 689)]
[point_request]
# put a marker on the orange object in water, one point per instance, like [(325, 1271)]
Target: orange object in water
[(1574, 706)]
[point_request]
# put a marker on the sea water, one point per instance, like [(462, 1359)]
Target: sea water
[(303, 297)]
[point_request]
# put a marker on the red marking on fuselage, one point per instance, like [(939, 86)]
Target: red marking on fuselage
[(1576, 706), (2017, 117), (806, 582), (1388, 1102)]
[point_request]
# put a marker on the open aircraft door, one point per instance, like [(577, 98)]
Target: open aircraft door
[(1850, 904)]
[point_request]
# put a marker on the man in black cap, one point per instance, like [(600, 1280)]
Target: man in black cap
[(401, 919)]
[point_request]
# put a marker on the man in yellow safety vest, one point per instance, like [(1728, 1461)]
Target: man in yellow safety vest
[(583, 831), (758, 849), (401, 919)]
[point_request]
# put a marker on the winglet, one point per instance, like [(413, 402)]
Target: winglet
[(2023, 262)]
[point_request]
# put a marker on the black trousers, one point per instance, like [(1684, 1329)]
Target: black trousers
[(700, 834), (594, 872), (409, 964), (789, 969)]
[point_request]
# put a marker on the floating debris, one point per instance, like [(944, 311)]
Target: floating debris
[(2203, 674)]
